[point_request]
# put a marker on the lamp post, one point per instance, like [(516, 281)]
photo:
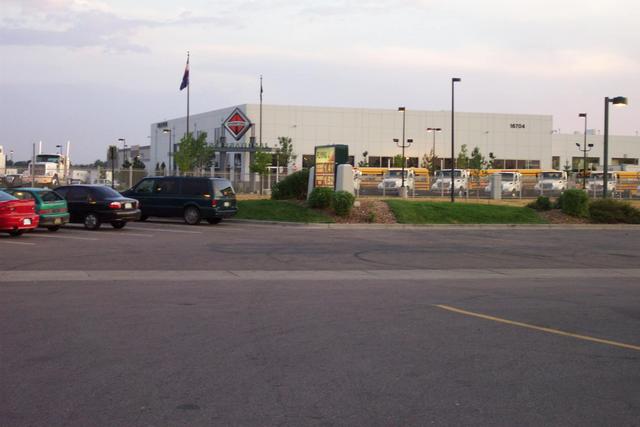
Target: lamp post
[(617, 101), (454, 80), (584, 150), (59, 148), (402, 144), (124, 149), (433, 147), (168, 131)]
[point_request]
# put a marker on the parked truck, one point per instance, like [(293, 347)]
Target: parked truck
[(511, 183), (595, 183), (442, 181), (49, 170), (551, 181), (392, 180)]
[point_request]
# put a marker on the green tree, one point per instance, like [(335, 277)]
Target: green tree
[(477, 159), (397, 161), (137, 163), (99, 163), (260, 165), (430, 161), (462, 161), (284, 152), (491, 162), (194, 153)]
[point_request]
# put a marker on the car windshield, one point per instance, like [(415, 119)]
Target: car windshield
[(395, 174), (104, 191), (41, 158), (49, 196), (447, 174), (507, 176), (5, 196), (600, 176), (551, 175), (223, 188)]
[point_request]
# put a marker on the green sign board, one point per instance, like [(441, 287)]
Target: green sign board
[(327, 159)]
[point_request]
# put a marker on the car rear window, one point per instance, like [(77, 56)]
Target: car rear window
[(222, 187), (5, 196), (22, 195), (49, 196), (104, 192)]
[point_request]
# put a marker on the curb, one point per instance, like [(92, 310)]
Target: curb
[(439, 226)]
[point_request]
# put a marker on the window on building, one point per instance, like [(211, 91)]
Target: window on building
[(412, 162), (511, 164), (623, 161), (386, 162), (534, 164), (593, 163), (555, 162), (352, 160), (521, 164), (498, 164), (374, 161)]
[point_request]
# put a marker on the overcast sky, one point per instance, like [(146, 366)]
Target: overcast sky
[(95, 71)]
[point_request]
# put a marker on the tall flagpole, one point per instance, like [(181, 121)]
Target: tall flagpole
[(188, 87), (260, 110)]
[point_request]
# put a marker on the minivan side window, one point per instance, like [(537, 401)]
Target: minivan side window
[(195, 187), (145, 186), (166, 186)]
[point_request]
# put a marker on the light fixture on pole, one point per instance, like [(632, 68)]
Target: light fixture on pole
[(168, 131), (454, 80), (59, 148), (619, 101)]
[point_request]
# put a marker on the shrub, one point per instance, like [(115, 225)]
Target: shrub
[(294, 186), (574, 203), (542, 203), (342, 202), (610, 211), (321, 197)]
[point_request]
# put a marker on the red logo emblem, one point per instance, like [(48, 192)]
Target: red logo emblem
[(237, 124)]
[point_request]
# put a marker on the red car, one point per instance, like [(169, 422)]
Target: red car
[(16, 216)]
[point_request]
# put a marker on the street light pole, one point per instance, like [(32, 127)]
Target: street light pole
[(433, 148), (402, 144), (618, 101), (584, 152), (454, 80), (168, 131)]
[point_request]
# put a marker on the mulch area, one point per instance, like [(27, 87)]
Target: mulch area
[(556, 216), (369, 212)]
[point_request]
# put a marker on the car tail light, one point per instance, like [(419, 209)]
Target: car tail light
[(214, 203), (46, 211), (115, 205)]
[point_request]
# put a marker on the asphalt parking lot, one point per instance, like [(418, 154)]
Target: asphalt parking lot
[(239, 324)]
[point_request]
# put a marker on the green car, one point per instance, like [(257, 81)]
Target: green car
[(51, 207)]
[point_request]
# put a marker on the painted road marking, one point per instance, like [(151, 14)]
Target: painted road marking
[(58, 236), (323, 275), (165, 230), (540, 328), (16, 243)]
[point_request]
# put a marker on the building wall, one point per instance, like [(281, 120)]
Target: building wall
[(508, 136), (620, 147)]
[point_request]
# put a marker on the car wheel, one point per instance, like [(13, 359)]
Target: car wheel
[(143, 217), (53, 228), (91, 222), (118, 224), (16, 233), (192, 216), (214, 220)]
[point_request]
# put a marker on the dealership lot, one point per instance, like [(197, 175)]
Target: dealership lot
[(163, 323)]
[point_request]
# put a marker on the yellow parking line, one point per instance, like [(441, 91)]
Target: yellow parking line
[(540, 328)]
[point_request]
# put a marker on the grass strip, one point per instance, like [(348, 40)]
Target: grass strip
[(278, 210), (408, 212)]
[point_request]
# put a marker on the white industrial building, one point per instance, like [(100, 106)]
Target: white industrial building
[(516, 140)]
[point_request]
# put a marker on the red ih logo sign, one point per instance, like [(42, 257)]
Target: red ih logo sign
[(237, 124)]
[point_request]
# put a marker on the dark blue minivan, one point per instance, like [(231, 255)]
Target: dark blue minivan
[(191, 198)]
